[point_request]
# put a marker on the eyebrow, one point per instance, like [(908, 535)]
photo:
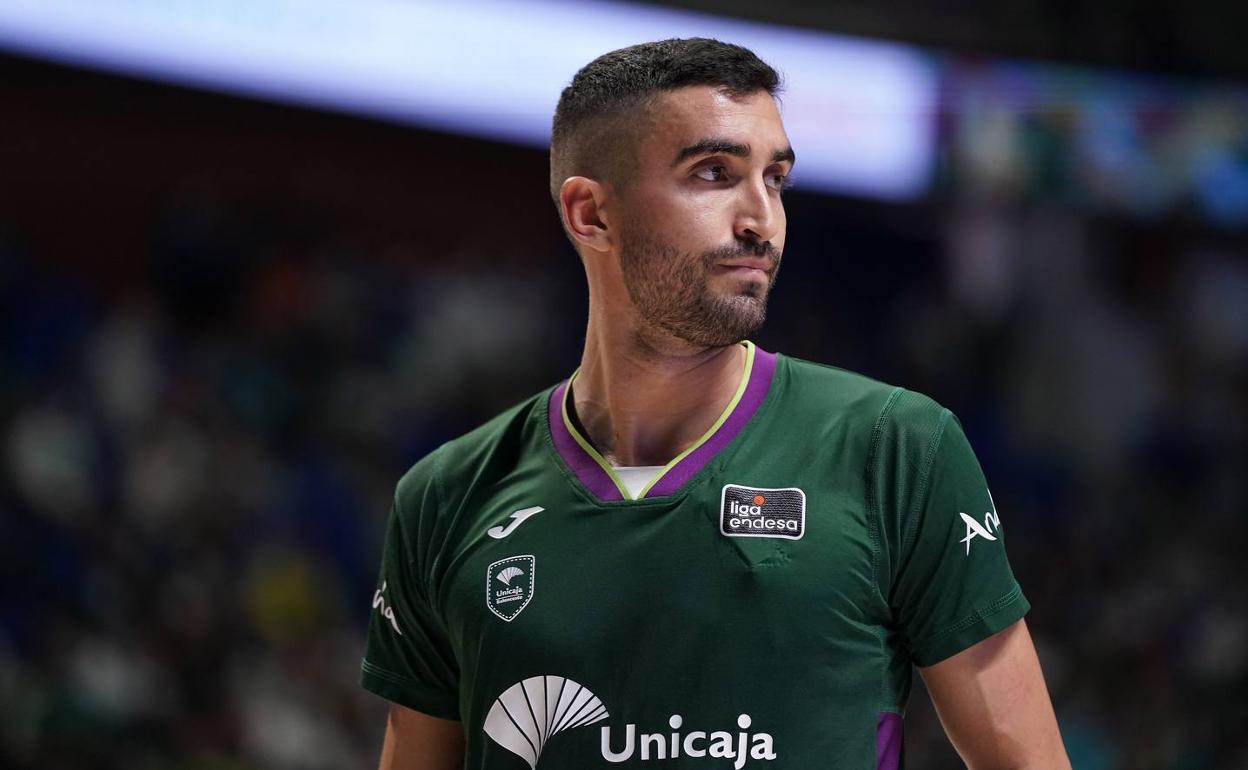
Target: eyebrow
[(714, 146), (779, 156)]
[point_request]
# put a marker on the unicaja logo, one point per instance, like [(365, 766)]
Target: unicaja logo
[(506, 576), (696, 744), (528, 714)]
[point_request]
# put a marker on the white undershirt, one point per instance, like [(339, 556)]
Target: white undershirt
[(636, 477)]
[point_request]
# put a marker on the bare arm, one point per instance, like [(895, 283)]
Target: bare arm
[(995, 708), (416, 741)]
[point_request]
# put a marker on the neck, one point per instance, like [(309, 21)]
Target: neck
[(642, 401)]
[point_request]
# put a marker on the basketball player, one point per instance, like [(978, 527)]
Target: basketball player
[(694, 553)]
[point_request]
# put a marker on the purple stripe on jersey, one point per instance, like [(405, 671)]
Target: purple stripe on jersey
[(585, 468), (751, 400), (888, 741)]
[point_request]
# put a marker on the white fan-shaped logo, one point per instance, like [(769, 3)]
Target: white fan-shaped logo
[(506, 575), (528, 713)]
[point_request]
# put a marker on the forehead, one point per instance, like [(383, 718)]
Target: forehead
[(684, 116)]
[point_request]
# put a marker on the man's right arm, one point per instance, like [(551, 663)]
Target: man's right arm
[(416, 741), (409, 658)]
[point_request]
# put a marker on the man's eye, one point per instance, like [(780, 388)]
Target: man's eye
[(779, 182), (712, 173)]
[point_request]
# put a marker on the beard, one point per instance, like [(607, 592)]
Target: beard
[(671, 290)]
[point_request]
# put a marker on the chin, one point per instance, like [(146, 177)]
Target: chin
[(740, 316), (750, 285), (749, 290)]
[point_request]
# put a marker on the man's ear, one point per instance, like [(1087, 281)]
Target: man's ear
[(581, 202)]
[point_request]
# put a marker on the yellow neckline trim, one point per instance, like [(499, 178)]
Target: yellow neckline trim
[(606, 466)]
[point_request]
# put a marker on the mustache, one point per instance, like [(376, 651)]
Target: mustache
[(744, 247)]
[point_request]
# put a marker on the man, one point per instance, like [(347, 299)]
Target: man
[(694, 553)]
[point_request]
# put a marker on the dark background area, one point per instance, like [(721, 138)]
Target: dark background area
[(228, 327), (1197, 38)]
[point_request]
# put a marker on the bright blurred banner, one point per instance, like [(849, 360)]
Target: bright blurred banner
[(860, 114), (1117, 142)]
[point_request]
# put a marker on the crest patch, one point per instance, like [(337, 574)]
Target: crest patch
[(509, 585)]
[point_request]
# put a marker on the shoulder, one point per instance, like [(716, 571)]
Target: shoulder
[(478, 457), (868, 403)]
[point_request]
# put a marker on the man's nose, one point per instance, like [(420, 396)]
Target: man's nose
[(759, 216)]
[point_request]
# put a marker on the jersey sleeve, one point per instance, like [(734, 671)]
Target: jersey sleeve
[(408, 657), (947, 579)]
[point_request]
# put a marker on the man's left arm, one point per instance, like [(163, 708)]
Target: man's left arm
[(994, 706), (954, 596)]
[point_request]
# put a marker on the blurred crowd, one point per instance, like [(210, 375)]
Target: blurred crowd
[(197, 472), (195, 468)]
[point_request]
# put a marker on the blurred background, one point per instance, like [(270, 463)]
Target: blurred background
[(258, 258)]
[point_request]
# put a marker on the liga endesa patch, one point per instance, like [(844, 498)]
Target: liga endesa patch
[(759, 512)]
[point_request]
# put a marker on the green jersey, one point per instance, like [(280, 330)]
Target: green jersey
[(758, 605)]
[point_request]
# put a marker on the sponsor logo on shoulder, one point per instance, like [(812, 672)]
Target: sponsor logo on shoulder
[(762, 512), (387, 611), (509, 585), (528, 714), (517, 518), (992, 523)]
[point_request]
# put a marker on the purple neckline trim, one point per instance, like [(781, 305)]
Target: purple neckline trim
[(888, 741), (596, 480), (585, 468), (755, 391)]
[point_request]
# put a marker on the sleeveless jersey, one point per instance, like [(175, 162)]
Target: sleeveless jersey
[(759, 605)]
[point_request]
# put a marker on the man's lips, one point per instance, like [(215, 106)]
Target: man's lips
[(754, 263), (760, 266)]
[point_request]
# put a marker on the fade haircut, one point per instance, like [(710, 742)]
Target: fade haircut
[(602, 113)]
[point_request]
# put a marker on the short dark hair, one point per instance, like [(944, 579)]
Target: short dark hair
[(599, 113)]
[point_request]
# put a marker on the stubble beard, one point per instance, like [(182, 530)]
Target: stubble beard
[(671, 291)]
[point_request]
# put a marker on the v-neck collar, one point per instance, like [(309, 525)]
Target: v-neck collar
[(596, 474)]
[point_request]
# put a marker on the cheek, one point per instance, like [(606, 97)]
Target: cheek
[(691, 225), (689, 219), (706, 218)]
